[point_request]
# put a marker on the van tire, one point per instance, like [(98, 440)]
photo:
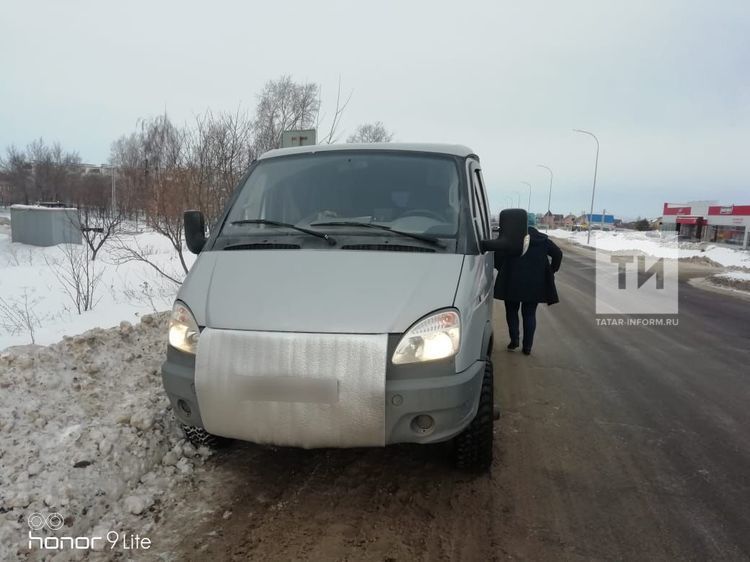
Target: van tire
[(199, 437), (472, 448)]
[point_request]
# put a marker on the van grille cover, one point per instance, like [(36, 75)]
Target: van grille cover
[(297, 389)]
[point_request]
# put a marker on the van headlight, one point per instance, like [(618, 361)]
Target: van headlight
[(183, 329), (436, 336)]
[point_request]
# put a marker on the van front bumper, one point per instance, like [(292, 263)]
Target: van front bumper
[(450, 400)]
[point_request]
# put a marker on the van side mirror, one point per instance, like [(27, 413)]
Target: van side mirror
[(195, 231), (513, 240)]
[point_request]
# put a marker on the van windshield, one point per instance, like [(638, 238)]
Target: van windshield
[(411, 192)]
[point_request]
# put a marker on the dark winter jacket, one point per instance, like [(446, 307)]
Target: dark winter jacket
[(531, 277)]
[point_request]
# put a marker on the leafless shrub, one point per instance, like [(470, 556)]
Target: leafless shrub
[(159, 293), (19, 316), (78, 276), (16, 258)]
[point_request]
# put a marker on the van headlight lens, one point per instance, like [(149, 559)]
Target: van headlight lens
[(183, 329), (435, 337)]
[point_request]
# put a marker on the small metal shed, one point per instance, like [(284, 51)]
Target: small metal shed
[(44, 226)]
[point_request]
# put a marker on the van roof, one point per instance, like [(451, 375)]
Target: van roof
[(452, 149)]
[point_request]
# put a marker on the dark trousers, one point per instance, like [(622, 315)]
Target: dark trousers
[(528, 311)]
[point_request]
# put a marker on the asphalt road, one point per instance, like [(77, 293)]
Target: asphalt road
[(627, 442), (615, 443)]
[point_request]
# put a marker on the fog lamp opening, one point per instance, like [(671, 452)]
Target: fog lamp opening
[(422, 424)]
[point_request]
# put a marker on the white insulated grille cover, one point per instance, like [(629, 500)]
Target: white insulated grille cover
[(296, 389)]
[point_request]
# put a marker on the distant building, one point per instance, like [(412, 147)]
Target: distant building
[(597, 221), (709, 222), (551, 220)]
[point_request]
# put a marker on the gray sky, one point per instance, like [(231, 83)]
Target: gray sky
[(664, 84)]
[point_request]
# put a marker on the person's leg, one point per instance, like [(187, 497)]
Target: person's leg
[(528, 311), (511, 317)]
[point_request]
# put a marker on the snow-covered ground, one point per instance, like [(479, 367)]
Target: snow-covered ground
[(86, 430), (30, 283), (656, 244)]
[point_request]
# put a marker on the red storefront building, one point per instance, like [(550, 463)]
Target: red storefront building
[(727, 224)]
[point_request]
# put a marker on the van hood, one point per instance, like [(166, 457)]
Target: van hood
[(320, 291)]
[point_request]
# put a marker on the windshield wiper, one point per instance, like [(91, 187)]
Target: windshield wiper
[(323, 235), (422, 237)]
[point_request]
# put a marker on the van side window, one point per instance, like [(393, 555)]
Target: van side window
[(484, 204), (479, 206)]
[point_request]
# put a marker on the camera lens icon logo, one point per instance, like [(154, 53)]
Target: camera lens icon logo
[(53, 521)]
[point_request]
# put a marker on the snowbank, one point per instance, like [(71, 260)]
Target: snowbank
[(86, 432), (655, 244), (736, 280)]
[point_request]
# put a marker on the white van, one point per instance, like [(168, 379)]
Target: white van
[(344, 299)]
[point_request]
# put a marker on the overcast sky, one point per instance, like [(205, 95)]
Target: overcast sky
[(664, 84)]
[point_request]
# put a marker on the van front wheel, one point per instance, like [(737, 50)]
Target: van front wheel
[(472, 448)]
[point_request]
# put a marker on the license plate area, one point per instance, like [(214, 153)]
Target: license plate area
[(289, 389)]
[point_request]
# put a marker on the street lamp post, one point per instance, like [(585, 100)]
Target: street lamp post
[(528, 208), (593, 189), (551, 176)]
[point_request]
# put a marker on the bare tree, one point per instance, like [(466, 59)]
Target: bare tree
[(17, 169), (169, 181), (284, 105), (218, 151), (54, 170), (78, 276), (127, 251), (127, 156), (370, 132), (98, 225), (332, 135)]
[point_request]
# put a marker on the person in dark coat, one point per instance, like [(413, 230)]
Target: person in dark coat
[(524, 282)]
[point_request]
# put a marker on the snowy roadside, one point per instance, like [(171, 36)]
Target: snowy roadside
[(654, 243), (733, 280), (86, 431), (732, 266), (30, 282)]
